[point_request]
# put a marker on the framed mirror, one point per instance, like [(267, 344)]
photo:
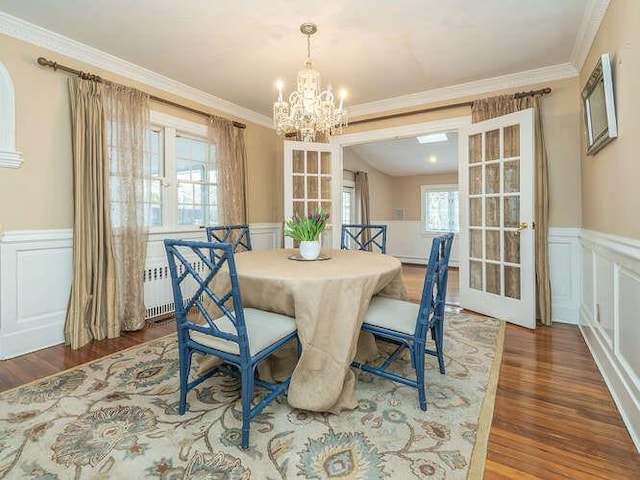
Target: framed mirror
[(599, 106)]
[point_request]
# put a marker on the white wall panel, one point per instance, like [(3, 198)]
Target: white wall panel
[(603, 296), (564, 270), (628, 320), (406, 241), (35, 280), (609, 321)]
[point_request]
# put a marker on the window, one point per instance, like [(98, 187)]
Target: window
[(196, 178), (440, 208), (180, 175), (348, 202)]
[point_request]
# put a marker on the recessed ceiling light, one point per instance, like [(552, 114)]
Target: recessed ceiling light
[(433, 138), (433, 159)]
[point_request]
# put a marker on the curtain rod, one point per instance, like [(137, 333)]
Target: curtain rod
[(531, 93), (56, 66)]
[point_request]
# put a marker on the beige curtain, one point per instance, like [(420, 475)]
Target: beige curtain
[(92, 312), (362, 199), (502, 105), (109, 241), (127, 112), (230, 154)]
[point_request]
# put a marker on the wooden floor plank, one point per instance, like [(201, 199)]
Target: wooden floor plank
[(553, 419)]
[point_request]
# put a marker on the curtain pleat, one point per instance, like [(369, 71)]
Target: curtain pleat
[(92, 310), (230, 154), (487, 108)]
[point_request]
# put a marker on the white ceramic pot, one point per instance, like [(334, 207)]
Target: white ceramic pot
[(309, 249)]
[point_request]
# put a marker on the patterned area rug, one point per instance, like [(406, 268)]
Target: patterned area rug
[(117, 418)]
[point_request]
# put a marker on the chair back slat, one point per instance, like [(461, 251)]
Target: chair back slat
[(434, 291), (238, 236), (215, 258), (364, 237)]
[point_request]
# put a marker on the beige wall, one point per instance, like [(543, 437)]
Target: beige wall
[(406, 191), (610, 178), (562, 117), (380, 190), (38, 195)]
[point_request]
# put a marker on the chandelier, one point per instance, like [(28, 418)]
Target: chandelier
[(310, 110)]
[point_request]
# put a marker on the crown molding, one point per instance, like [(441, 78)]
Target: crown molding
[(591, 20), (28, 32), (488, 85)]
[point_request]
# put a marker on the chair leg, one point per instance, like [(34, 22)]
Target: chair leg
[(418, 360), (437, 334), (248, 380), (185, 365)]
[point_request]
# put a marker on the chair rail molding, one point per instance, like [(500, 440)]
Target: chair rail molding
[(609, 317), (9, 156)]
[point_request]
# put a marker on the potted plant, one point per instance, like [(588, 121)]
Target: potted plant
[(307, 230)]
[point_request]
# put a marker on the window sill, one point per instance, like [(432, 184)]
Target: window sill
[(435, 233), (156, 233)]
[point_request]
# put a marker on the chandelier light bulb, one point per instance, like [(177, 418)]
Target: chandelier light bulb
[(343, 95), (309, 109), (279, 86)]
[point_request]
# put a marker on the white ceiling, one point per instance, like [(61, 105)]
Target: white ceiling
[(387, 54), (377, 50), (405, 156)]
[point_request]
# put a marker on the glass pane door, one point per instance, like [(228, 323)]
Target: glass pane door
[(500, 211), (310, 184)]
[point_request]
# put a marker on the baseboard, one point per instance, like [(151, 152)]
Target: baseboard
[(422, 260), (27, 341)]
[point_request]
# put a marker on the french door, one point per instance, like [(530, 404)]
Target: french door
[(497, 269), (312, 179)]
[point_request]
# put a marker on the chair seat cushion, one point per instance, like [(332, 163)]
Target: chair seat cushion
[(263, 330), (392, 314)]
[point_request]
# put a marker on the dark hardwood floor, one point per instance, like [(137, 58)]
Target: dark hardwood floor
[(554, 417)]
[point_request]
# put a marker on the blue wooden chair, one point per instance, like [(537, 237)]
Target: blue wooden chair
[(406, 324), (241, 337), (237, 235), (364, 237)]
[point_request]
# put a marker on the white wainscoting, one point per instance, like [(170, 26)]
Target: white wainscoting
[(406, 241), (609, 317), (564, 270), (35, 280)]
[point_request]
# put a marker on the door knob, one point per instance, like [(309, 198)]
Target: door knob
[(523, 225)]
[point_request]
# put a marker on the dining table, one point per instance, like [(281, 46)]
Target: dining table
[(328, 298)]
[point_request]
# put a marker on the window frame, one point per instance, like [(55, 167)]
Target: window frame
[(441, 187)]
